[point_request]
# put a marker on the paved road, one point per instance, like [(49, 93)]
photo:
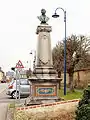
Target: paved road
[(3, 86), (4, 98)]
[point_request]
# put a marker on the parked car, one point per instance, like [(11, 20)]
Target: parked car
[(24, 88)]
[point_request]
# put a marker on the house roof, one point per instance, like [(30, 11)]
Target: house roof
[(1, 70), (83, 69)]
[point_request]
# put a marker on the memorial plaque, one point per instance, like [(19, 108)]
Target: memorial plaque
[(45, 90)]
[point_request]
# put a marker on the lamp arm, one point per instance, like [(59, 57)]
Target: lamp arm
[(59, 8), (63, 11)]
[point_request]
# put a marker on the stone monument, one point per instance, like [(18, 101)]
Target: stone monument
[(44, 82)]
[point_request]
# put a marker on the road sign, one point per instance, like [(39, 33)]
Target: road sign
[(19, 64)]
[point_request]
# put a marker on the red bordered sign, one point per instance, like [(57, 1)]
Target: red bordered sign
[(19, 64)]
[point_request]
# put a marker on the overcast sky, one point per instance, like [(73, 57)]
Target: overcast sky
[(18, 23)]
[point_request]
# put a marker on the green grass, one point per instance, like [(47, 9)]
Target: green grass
[(11, 105), (77, 94)]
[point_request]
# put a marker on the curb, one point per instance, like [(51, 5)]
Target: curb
[(45, 105), (7, 115)]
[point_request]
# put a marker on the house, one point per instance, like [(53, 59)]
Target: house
[(9, 76), (2, 75)]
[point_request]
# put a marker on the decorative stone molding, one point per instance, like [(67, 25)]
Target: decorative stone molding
[(43, 29), (49, 104)]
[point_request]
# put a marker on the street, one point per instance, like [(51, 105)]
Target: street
[(3, 86), (5, 100)]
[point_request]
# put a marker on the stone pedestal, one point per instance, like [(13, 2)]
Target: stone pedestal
[(44, 82), (44, 53)]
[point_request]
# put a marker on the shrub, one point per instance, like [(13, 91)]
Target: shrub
[(83, 109)]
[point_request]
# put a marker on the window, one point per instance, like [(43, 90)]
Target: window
[(24, 82)]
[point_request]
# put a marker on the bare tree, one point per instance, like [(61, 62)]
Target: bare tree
[(28, 73), (77, 53), (58, 58)]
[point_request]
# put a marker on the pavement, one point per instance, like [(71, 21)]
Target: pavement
[(3, 106), (3, 111)]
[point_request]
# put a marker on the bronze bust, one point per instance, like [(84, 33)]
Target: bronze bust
[(43, 18)]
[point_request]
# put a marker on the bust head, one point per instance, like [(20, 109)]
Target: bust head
[(43, 11)]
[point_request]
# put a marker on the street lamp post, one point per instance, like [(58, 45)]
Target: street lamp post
[(30, 59), (55, 15), (34, 57)]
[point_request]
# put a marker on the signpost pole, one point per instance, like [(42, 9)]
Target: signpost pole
[(16, 84), (19, 84), (19, 67)]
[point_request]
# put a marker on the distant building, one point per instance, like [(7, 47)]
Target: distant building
[(23, 74), (10, 74)]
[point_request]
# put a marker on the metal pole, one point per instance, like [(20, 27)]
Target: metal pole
[(30, 63), (30, 59), (19, 86), (34, 60), (16, 84), (55, 16), (65, 55)]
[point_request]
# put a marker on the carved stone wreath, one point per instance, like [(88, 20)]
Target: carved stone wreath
[(43, 63)]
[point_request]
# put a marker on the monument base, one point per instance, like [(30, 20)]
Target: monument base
[(31, 102)]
